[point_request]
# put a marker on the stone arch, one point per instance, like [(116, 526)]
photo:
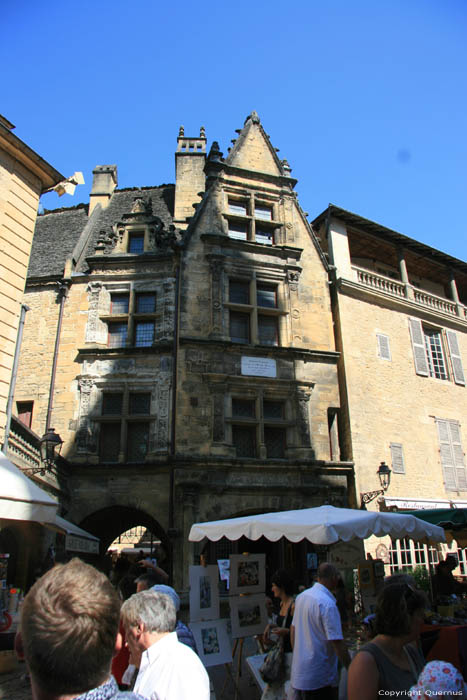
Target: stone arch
[(110, 522)]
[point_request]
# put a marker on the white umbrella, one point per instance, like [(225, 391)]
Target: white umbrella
[(21, 498), (322, 525)]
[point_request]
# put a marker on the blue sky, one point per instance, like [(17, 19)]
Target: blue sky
[(366, 99)]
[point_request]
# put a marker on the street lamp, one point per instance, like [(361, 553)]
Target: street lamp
[(384, 475), (50, 445)]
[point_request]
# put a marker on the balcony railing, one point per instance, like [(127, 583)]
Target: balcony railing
[(394, 288), (23, 445)]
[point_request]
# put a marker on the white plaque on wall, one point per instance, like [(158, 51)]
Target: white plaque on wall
[(259, 366)]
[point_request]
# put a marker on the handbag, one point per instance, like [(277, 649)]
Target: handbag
[(272, 668)]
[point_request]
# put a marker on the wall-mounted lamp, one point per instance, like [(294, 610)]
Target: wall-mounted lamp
[(50, 446), (384, 475)]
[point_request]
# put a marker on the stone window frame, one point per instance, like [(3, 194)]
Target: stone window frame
[(250, 221), (253, 310), (130, 230), (258, 396), (132, 318), (125, 417)]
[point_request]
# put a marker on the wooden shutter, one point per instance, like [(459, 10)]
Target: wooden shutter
[(446, 454), (458, 454), (397, 458), (456, 361), (384, 349), (418, 345)]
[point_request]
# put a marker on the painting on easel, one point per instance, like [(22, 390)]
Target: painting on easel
[(248, 615), (204, 593), (212, 641), (247, 573)]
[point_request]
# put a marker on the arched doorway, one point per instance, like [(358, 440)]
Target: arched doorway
[(109, 523)]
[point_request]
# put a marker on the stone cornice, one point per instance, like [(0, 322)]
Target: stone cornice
[(262, 350)]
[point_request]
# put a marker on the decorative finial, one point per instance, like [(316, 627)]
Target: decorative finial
[(181, 132), (202, 132), (286, 169), (253, 117), (215, 154)]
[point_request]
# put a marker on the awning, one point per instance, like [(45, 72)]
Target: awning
[(21, 498), (77, 539), (322, 525), (453, 520)]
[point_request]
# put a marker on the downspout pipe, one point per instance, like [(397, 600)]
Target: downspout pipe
[(63, 293), (14, 374)]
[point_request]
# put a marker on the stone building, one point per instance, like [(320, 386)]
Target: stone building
[(401, 329), (192, 335), (24, 175)]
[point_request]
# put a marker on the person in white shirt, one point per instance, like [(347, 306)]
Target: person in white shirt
[(316, 635), (169, 670)]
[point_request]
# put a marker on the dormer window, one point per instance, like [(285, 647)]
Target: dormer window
[(136, 242), (251, 220)]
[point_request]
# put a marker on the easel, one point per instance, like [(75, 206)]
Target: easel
[(238, 645)]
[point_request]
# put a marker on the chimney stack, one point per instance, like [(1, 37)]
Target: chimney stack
[(103, 184)]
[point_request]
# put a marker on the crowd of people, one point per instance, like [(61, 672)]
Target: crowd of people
[(84, 638)]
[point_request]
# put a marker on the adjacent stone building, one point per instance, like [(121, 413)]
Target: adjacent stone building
[(401, 329), (191, 331)]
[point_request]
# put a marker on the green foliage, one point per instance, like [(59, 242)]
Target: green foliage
[(421, 576)]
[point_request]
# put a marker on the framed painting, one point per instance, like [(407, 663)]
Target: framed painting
[(204, 593), (247, 573), (212, 641), (248, 615)]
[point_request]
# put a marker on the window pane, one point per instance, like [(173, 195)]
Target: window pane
[(264, 236), (239, 327), (267, 330), (140, 403), (117, 335), (137, 441), (243, 408), (263, 212), (266, 296), (244, 440), (275, 441), (112, 404), (119, 303), (237, 230), (434, 352), (239, 292), (145, 303), (109, 443), (136, 243), (144, 334), (273, 409), (237, 207)]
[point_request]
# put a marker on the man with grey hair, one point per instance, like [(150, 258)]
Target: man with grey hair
[(169, 670), (317, 640)]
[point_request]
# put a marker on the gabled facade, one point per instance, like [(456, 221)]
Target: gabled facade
[(401, 330), (196, 370)]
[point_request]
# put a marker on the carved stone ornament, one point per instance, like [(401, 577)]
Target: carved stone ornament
[(84, 437), (303, 418), (293, 277)]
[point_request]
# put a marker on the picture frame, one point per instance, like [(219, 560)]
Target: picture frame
[(212, 641), (204, 593), (248, 615), (247, 573)]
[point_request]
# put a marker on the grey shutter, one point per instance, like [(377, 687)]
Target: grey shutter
[(446, 455), (458, 454), (418, 345), (384, 350), (397, 458), (456, 361)]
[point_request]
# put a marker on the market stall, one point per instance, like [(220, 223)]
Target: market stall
[(324, 525)]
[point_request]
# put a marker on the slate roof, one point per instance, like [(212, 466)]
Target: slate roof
[(57, 232), (55, 236)]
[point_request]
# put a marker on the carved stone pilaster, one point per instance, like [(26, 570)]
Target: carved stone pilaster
[(303, 398), (84, 441), (216, 266), (162, 410), (218, 422), (293, 278), (99, 300), (167, 329)]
